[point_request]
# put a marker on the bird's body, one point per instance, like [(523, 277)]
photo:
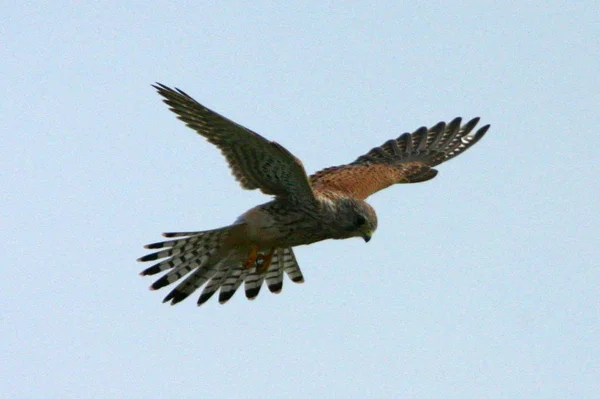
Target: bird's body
[(281, 223), (328, 205)]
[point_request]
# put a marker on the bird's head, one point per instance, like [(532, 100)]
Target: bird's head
[(358, 219)]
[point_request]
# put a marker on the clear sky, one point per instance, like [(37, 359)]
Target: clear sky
[(482, 283)]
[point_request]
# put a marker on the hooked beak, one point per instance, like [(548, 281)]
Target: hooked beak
[(366, 235)]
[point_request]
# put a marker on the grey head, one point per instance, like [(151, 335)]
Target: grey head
[(354, 218)]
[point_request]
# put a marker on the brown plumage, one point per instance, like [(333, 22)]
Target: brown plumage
[(328, 205)]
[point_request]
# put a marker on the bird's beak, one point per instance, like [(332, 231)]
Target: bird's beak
[(366, 235)]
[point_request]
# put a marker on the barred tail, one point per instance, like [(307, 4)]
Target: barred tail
[(195, 252), (195, 255), (283, 261)]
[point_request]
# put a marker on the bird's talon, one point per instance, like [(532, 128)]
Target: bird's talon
[(266, 262), (252, 256)]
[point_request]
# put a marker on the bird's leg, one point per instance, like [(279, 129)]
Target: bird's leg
[(252, 255), (266, 261)]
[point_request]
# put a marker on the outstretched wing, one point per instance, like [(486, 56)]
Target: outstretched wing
[(408, 159), (254, 161)]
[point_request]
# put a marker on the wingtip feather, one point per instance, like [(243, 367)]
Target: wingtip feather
[(148, 257), (175, 297)]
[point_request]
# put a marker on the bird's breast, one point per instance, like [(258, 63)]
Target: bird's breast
[(275, 225)]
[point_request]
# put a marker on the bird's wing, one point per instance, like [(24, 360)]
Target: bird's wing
[(255, 162), (408, 159)]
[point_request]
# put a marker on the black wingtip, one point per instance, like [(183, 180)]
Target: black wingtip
[(150, 271), (454, 124), (175, 297), (170, 235), (145, 273), (483, 130), (148, 257), (168, 297), (160, 88), (456, 120), (470, 125), (170, 93), (479, 134), (438, 127), (156, 245), (420, 130), (204, 297), (161, 282)]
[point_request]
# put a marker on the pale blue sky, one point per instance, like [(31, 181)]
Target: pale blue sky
[(483, 282)]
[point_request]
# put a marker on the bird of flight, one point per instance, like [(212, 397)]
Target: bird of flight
[(257, 247)]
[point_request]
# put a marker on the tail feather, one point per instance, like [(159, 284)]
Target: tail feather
[(198, 240), (178, 247), (174, 243), (180, 265), (194, 255), (189, 285), (212, 286), (283, 260), (274, 277), (253, 283), (178, 272), (291, 268), (232, 283)]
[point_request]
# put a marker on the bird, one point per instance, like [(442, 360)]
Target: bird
[(329, 204)]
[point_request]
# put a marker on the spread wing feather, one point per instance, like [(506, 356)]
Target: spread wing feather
[(193, 257), (254, 161), (408, 159)]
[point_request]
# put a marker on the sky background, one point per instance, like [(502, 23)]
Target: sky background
[(483, 282)]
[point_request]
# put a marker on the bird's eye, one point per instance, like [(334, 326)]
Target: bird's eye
[(360, 220)]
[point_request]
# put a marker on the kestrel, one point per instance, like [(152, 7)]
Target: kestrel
[(328, 204)]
